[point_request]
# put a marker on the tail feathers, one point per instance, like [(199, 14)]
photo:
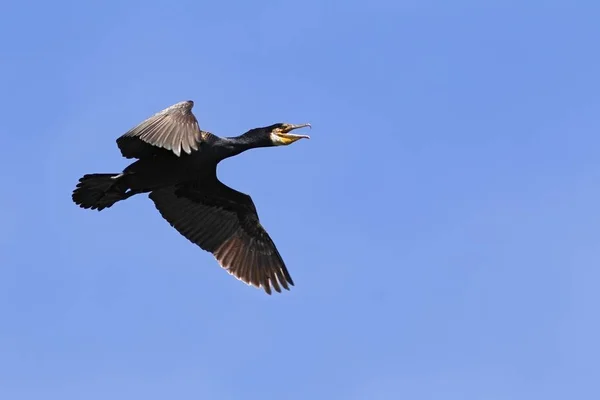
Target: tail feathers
[(98, 191)]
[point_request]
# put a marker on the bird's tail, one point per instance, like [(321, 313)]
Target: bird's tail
[(99, 191)]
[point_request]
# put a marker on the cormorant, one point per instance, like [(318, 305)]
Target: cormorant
[(177, 165)]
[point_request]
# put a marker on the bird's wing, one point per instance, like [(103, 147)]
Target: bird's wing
[(224, 222), (175, 129)]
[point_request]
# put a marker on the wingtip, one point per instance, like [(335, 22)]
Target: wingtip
[(186, 105)]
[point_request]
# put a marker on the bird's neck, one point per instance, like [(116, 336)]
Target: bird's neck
[(232, 146)]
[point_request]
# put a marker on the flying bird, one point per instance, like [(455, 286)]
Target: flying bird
[(176, 164)]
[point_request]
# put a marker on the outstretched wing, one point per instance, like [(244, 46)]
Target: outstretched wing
[(224, 222), (175, 128)]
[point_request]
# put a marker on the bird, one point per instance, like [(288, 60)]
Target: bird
[(176, 166)]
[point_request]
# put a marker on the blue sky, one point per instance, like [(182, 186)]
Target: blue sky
[(442, 225)]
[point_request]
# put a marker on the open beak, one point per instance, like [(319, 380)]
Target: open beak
[(287, 137)]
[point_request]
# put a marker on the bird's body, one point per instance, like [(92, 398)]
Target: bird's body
[(176, 164)]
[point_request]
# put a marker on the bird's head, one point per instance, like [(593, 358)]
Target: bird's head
[(276, 135), (280, 134)]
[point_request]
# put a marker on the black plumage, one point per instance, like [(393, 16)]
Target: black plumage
[(176, 165)]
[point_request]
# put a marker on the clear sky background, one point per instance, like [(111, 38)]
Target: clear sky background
[(442, 225)]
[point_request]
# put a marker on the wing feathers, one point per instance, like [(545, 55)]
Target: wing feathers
[(174, 129), (233, 235)]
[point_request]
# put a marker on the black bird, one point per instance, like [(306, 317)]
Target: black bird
[(177, 165)]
